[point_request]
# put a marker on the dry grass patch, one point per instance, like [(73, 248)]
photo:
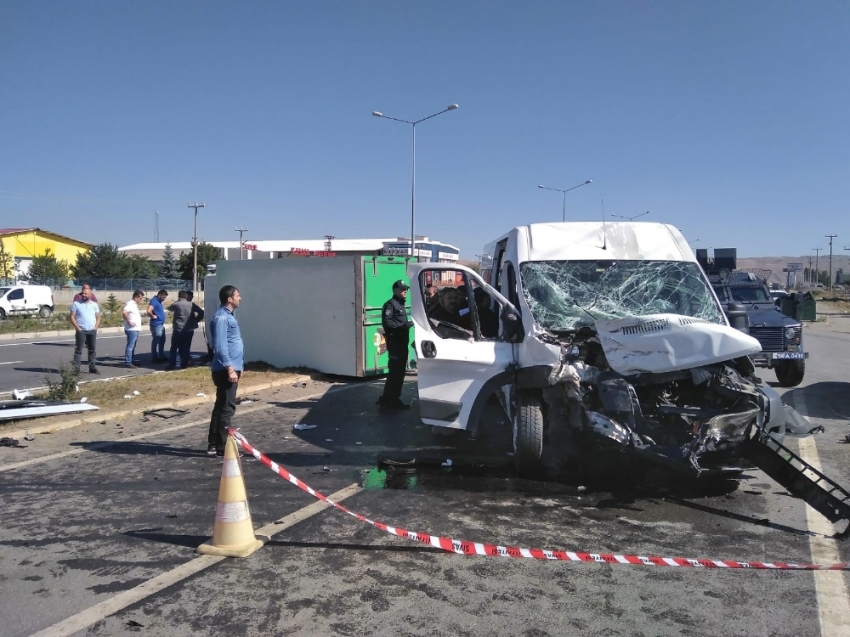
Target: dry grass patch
[(168, 387)]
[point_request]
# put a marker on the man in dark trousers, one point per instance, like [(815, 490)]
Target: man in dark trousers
[(227, 367), (397, 336)]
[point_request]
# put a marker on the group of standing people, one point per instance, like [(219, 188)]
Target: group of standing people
[(187, 318), (86, 318)]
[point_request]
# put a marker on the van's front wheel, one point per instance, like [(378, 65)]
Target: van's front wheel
[(45, 311), (528, 432)]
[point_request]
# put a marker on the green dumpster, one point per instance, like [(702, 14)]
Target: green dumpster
[(806, 309)]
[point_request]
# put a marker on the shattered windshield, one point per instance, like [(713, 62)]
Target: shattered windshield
[(565, 295)]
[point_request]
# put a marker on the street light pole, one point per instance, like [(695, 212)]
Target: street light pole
[(195, 205), (632, 218), (240, 231), (564, 192), (450, 107)]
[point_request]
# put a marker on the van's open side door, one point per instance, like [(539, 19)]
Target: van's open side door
[(457, 373)]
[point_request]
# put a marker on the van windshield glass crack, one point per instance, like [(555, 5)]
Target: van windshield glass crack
[(560, 293)]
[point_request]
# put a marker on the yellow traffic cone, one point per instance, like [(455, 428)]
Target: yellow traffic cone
[(233, 532)]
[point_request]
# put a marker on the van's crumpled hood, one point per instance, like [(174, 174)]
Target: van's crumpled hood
[(662, 343)]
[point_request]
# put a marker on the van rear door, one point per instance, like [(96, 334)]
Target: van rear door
[(458, 369)]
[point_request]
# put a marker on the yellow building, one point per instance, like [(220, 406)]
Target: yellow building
[(25, 243)]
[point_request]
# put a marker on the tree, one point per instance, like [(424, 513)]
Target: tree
[(139, 267), (104, 261), (169, 269), (207, 253), (7, 264), (46, 269)]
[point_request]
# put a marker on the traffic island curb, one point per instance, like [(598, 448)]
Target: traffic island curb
[(96, 417)]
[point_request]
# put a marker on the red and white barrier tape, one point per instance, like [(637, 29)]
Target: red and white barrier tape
[(476, 548)]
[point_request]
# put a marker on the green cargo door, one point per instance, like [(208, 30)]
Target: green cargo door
[(379, 274)]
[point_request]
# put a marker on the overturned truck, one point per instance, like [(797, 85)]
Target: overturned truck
[(609, 335)]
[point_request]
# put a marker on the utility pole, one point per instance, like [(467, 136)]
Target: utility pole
[(156, 228), (240, 231), (195, 205), (817, 265), (809, 273), (830, 237)]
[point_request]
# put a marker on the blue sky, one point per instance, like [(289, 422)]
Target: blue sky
[(727, 119)]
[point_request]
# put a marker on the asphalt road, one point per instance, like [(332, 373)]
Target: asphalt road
[(83, 528), (24, 364)]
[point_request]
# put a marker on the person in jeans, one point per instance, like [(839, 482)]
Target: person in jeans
[(132, 326), (180, 344), (157, 314), (227, 367), (85, 317)]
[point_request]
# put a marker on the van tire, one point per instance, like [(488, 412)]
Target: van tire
[(790, 373), (528, 433), (45, 311)]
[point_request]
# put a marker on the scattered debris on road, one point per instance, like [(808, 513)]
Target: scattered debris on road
[(165, 412), (301, 427), (21, 394)]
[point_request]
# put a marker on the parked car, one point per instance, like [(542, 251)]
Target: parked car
[(22, 300)]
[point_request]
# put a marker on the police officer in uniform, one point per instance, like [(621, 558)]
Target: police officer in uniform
[(397, 335)]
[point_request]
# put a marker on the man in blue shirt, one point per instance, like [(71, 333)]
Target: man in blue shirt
[(227, 366), (157, 314), (85, 317)]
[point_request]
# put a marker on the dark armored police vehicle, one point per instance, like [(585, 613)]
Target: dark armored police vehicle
[(746, 291)]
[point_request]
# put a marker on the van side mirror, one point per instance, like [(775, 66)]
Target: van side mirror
[(512, 323), (738, 317)]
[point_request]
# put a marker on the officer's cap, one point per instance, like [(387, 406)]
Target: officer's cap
[(400, 285)]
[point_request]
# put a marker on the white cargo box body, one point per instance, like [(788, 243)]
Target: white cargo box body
[(308, 311)]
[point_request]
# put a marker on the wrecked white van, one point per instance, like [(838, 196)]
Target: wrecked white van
[(604, 334)]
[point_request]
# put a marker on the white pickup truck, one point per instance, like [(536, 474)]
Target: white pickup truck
[(600, 336)]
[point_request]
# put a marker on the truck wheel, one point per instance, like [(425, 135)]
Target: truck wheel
[(45, 311), (790, 373), (528, 433)]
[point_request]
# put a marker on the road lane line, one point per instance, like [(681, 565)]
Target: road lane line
[(57, 341), (149, 434), (176, 575), (12, 363), (830, 586), (110, 443)]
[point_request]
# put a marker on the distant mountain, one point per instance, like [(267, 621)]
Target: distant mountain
[(775, 265)]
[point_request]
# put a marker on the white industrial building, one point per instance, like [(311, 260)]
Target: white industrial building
[(426, 249)]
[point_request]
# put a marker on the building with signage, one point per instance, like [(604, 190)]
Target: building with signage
[(23, 244), (426, 249)]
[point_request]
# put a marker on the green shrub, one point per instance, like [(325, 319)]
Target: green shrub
[(66, 387)]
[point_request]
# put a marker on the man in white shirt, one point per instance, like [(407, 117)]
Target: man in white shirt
[(132, 326)]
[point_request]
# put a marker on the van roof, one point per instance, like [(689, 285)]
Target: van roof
[(593, 240)]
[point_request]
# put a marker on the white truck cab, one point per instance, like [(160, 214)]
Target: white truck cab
[(602, 328), (23, 300)]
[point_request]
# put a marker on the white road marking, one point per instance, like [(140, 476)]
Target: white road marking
[(830, 586), (144, 590), (110, 443), (69, 340), (12, 363)]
